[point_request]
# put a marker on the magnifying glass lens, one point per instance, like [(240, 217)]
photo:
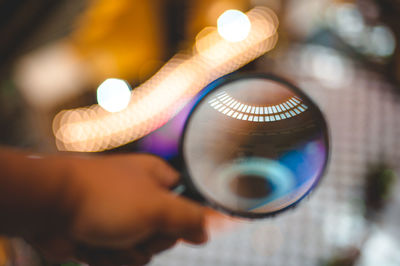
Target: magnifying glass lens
[(255, 145)]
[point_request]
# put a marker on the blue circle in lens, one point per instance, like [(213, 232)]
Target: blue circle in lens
[(279, 179)]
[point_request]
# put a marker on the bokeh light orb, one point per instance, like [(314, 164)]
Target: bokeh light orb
[(233, 25), (114, 95)]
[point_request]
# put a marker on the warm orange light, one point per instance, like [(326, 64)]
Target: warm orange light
[(154, 102)]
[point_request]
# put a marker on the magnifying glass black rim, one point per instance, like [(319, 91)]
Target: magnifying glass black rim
[(222, 82)]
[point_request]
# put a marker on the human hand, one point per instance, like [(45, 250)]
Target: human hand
[(118, 210)]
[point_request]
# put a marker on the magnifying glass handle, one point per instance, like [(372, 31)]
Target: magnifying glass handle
[(183, 190), (179, 189)]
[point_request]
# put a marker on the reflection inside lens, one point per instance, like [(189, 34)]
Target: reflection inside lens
[(226, 104), (251, 186), (248, 184), (255, 145)]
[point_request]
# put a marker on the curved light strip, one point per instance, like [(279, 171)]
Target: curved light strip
[(226, 104), (154, 102)]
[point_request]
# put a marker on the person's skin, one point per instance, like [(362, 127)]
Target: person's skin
[(102, 210)]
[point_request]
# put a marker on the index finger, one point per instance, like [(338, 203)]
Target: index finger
[(182, 218)]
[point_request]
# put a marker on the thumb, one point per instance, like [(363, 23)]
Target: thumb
[(182, 218)]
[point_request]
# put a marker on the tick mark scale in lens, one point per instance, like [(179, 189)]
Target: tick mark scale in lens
[(226, 104)]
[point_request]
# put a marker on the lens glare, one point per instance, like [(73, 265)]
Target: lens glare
[(255, 145)]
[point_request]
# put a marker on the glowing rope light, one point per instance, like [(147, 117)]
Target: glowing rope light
[(257, 113), (113, 95), (154, 102), (234, 25)]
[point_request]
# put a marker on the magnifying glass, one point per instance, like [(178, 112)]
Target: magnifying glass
[(253, 145)]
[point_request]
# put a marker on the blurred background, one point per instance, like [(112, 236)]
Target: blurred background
[(100, 59)]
